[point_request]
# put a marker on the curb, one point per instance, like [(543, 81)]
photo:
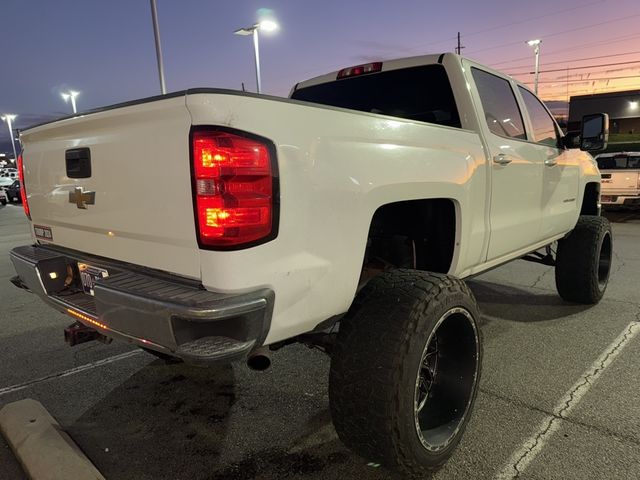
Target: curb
[(45, 451)]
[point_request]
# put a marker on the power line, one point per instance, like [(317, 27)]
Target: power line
[(576, 68), (562, 83), (552, 53), (582, 59), (505, 25), (564, 32), (530, 19)]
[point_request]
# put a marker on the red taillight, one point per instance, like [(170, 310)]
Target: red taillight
[(359, 70), (233, 189), (23, 190)]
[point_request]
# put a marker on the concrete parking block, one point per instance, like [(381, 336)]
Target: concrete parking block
[(45, 451)]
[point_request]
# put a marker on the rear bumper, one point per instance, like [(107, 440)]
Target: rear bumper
[(621, 200), (164, 313)]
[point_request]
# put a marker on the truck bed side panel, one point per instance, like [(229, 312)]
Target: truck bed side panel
[(337, 167)]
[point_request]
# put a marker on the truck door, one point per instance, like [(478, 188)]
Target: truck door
[(560, 172), (516, 166)]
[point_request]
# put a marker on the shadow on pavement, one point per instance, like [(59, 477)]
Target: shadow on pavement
[(173, 421), (519, 305), (622, 215), (160, 423)]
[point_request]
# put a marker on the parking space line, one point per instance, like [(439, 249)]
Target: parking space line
[(521, 458), (66, 373)]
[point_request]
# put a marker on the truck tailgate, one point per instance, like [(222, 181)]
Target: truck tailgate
[(620, 182), (139, 181)]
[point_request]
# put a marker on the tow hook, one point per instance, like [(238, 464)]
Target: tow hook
[(78, 333)]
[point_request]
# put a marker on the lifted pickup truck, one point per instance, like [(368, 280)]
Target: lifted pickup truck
[(344, 217)]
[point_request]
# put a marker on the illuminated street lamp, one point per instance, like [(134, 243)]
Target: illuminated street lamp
[(267, 26), (70, 95), (536, 50), (8, 118)]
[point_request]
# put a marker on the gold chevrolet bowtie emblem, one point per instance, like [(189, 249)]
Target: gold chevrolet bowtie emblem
[(82, 199)]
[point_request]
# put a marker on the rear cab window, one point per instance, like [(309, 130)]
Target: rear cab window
[(619, 162), (420, 93), (499, 103)]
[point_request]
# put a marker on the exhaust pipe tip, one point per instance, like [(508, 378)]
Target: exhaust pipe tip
[(259, 360)]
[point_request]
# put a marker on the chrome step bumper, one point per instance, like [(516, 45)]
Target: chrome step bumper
[(163, 313)]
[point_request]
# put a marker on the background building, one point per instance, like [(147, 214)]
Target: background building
[(623, 109)]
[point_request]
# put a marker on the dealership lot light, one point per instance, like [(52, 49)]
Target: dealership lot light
[(536, 50), (265, 25), (71, 95)]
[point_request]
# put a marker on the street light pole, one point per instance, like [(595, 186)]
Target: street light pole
[(156, 33), (256, 51), (266, 25), (8, 118), (536, 50), (71, 95)]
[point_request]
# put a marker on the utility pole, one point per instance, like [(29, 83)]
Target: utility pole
[(460, 46)]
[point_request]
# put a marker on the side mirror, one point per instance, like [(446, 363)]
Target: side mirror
[(571, 140), (594, 133)]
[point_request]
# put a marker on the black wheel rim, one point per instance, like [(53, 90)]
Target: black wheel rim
[(446, 379), (604, 261)]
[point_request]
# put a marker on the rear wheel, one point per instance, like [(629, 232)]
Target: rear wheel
[(583, 261), (405, 370)]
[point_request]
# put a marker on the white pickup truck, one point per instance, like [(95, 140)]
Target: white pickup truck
[(344, 217), (620, 179)]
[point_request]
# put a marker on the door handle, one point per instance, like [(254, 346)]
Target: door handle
[(551, 162), (502, 159)]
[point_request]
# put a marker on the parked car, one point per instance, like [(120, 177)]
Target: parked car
[(6, 182), (13, 192), (620, 180)]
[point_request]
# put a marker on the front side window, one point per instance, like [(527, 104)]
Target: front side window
[(499, 104), (544, 127)]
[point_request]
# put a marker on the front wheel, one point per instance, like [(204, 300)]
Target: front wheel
[(405, 370), (583, 261)]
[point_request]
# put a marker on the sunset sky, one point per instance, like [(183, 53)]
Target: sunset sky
[(105, 49)]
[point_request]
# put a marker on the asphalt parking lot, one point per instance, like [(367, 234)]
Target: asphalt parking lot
[(559, 394)]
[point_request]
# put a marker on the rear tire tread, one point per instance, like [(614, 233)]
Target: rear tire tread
[(374, 337)]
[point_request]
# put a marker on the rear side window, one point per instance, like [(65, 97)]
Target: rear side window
[(499, 104), (621, 162), (544, 127), (417, 93)]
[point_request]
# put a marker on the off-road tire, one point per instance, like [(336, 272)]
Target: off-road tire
[(379, 352), (583, 260)]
